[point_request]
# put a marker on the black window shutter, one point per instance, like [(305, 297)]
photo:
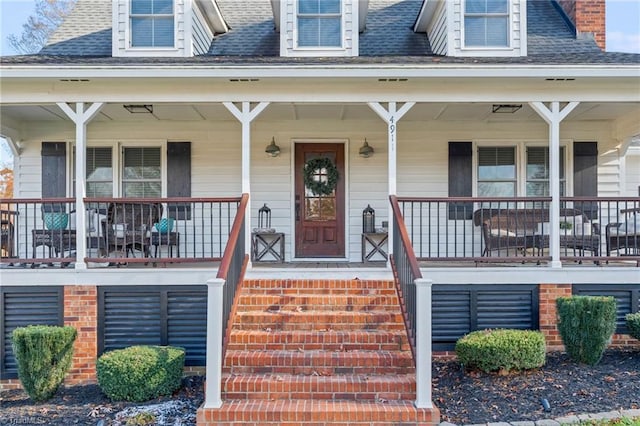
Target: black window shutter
[(585, 176), (460, 178), (179, 178), (54, 170)]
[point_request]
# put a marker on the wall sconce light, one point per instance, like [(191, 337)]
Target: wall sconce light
[(505, 108), (272, 149), (139, 109), (365, 151)]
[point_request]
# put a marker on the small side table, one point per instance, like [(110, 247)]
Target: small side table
[(169, 239), (58, 240), (374, 243), (267, 243)]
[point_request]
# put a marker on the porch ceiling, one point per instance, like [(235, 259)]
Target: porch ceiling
[(436, 111)]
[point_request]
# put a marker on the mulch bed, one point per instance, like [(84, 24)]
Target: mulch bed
[(462, 396), (569, 388)]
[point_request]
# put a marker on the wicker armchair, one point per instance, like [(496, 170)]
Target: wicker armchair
[(128, 226), (624, 237)]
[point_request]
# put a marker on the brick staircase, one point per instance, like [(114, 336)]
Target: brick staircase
[(318, 352)]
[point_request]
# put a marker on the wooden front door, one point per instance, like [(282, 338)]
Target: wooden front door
[(319, 217)]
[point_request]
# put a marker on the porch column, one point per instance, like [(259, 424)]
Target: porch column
[(423, 344), (391, 116), (213, 389), (245, 117), (553, 117), (81, 117)]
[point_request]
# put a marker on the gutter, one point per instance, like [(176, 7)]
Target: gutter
[(321, 71)]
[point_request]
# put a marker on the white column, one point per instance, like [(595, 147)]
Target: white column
[(81, 117), (245, 117), (213, 389), (553, 117), (391, 117), (423, 343)]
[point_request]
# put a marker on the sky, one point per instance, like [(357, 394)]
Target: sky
[(623, 31)]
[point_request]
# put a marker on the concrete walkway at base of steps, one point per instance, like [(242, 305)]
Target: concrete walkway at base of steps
[(566, 420)]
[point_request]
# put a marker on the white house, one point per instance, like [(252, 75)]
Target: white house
[(495, 141)]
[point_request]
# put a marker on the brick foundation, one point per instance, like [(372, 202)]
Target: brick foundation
[(81, 312), (548, 294)]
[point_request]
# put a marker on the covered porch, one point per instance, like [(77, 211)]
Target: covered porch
[(448, 142)]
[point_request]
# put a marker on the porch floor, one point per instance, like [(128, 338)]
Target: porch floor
[(324, 265)]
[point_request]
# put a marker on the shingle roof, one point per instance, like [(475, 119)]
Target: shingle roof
[(85, 38), (85, 31)]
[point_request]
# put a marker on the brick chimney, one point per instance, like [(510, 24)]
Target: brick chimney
[(588, 17)]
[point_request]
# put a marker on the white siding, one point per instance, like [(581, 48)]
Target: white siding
[(437, 30), (350, 32), (632, 173), (422, 161), (201, 34)]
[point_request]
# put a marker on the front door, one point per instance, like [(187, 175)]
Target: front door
[(319, 199)]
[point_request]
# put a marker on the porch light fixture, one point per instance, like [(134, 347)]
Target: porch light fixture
[(505, 108), (139, 109), (272, 149), (365, 151)]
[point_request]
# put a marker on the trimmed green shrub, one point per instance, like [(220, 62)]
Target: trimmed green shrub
[(502, 349), (140, 373), (586, 324), (633, 324), (44, 354)]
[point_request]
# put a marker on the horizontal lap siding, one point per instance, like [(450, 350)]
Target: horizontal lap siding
[(627, 299), (22, 307), (460, 309), (166, 315)]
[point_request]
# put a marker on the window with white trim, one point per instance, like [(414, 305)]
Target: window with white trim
[(319, 23), (152, 23), (497, 171), (486, 23), (141, 172), (537, 184), (502, 172), (99, 172)]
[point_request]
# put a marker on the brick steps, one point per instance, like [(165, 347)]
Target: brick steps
[(318, 362), (342, 387), (319, 287), (297, 412), (321, 352), (371, 340), (318, 320), (329, 302)]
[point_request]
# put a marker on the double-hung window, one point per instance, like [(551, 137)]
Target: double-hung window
[(141, 172), (497, 172), (486, 23), (537, 184), (319, 23), (503, 172), (152, 23), (99, 172)]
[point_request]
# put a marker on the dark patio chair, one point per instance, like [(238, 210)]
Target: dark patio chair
[(624, 237), (128, 226)]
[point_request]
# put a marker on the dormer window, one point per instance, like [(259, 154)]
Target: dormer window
[(486, 23), (152, 23), (319, 23)]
